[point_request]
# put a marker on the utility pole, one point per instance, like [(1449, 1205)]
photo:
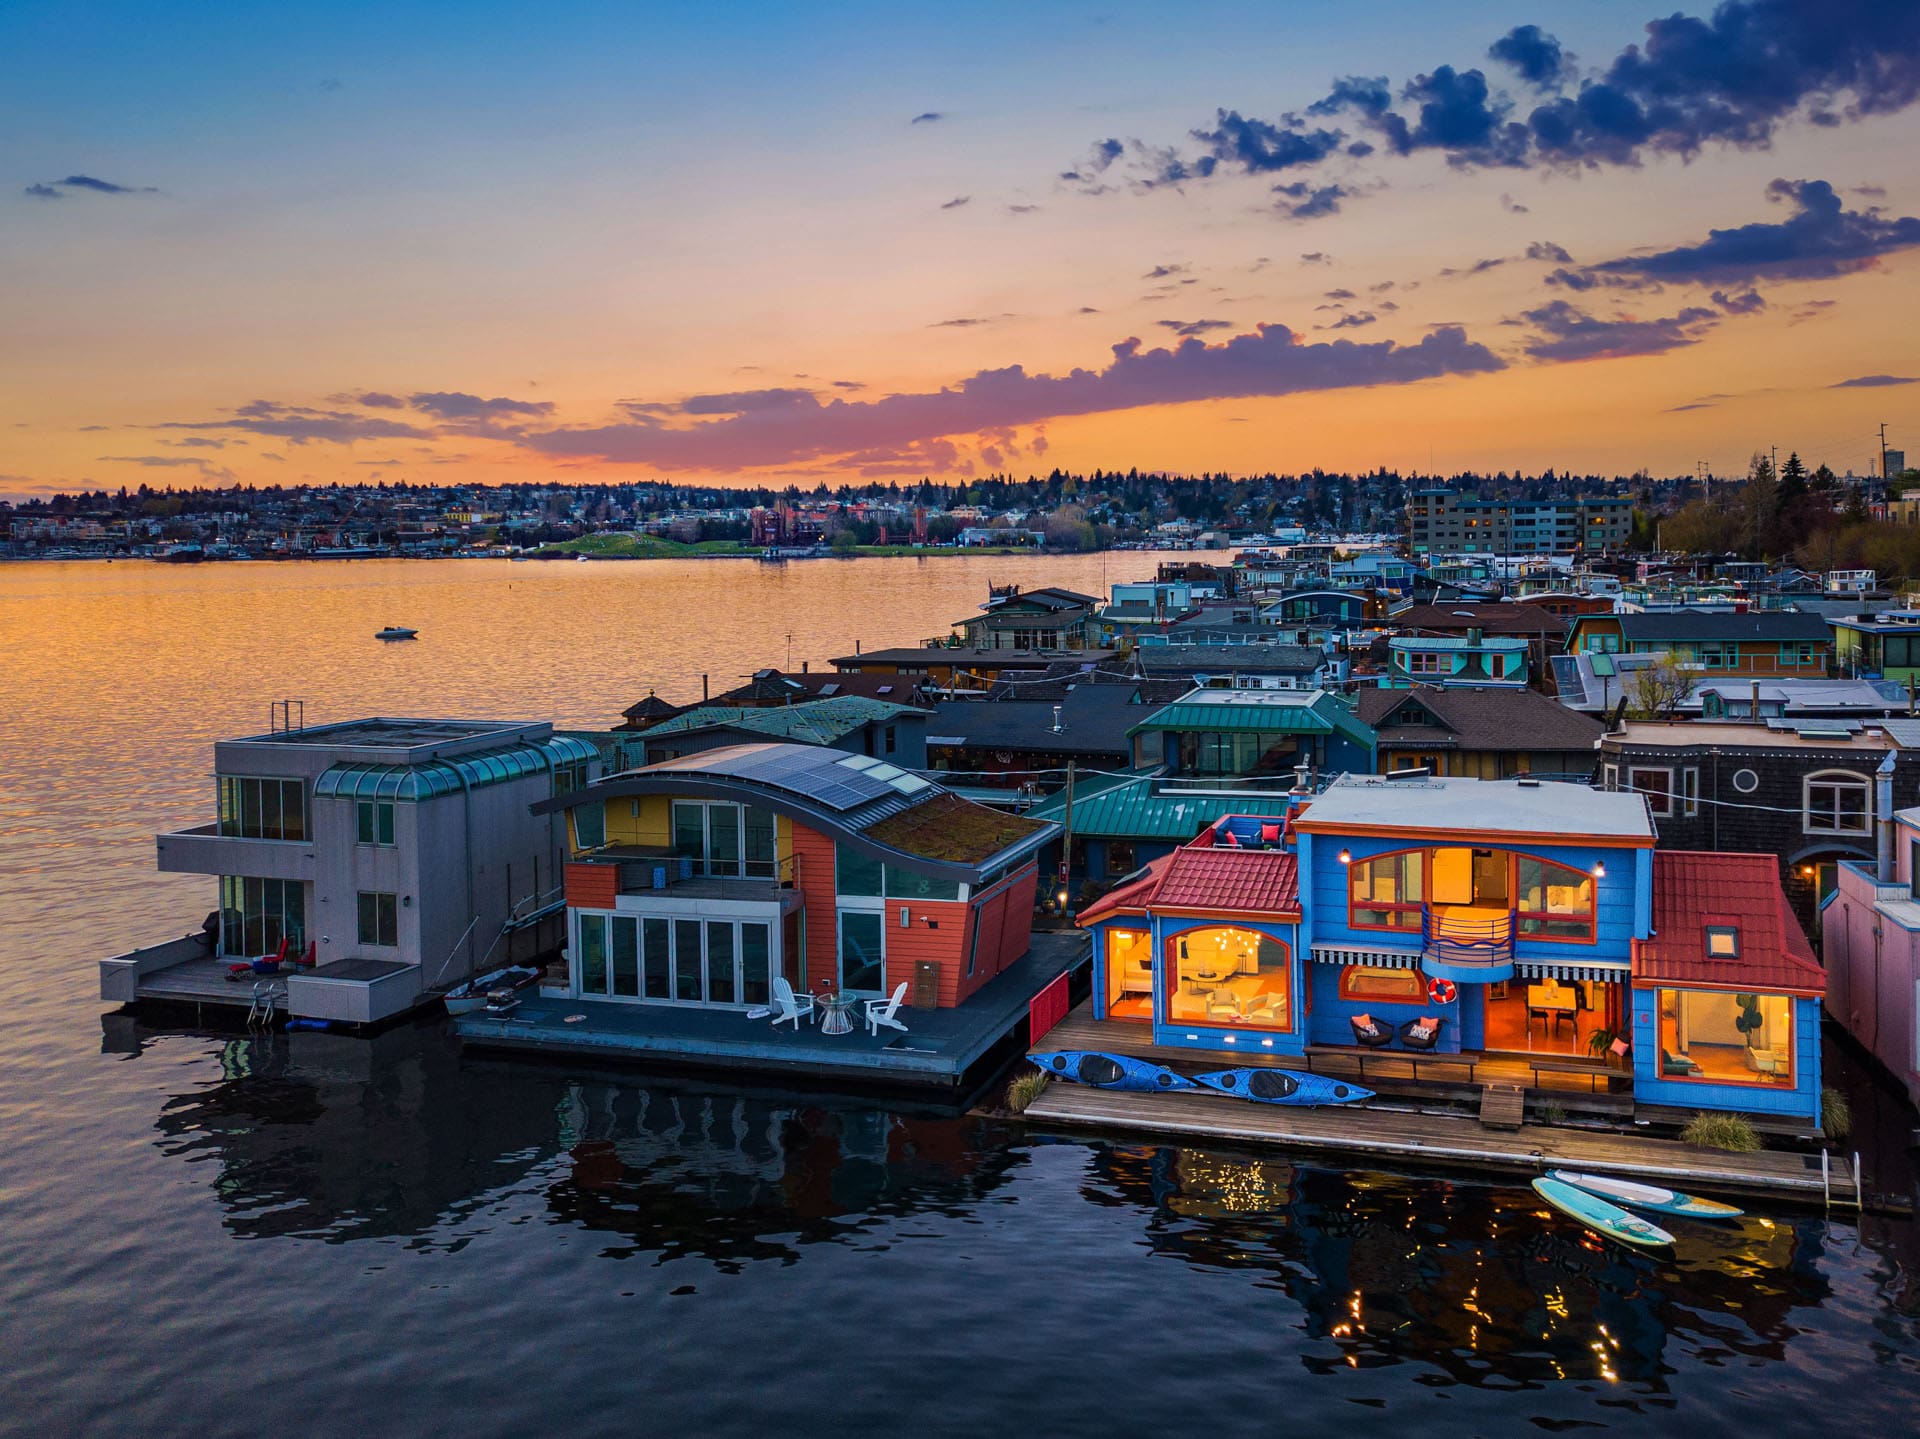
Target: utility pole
[(1883, 452), (1066, 844)]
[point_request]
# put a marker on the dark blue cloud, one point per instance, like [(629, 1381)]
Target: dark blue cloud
[(1875, 382), (1566, 332), (1194, 327), (927, 117), (42, 192), (55, 189), (456, 405), (1309, 202), (1533, 55), (1257, 147), (956, 202), (1821, 239)]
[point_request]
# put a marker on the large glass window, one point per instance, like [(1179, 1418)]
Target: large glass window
[(256, 914), (854, 873), (1388, 986), (373, 822), (1837, 802), (760, 834), (755, 964), (625, 968), (379, 919), (726, 840), (686, 960), (1129, 974), (590, 825), (1385, 892), (862, 941), (263, 808), (905, 884), (1228, 976), (1555, 901), (1726, 1038), (720, 976), (593, 953), (656, 967)]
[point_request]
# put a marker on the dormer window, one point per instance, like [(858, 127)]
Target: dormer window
[(1723, 941)]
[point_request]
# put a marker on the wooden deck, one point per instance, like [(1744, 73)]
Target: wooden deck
[(942, 1048), (1442, 1140), (1395, 1073)]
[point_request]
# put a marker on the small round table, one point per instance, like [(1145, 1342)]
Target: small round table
[(836, 1013)]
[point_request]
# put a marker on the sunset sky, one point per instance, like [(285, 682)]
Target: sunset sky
[(780, 243)]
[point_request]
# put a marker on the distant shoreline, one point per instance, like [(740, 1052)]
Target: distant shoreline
[(863, 552)]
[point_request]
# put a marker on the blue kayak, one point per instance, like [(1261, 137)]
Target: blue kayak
[(1655, 1197), (1282, 1086), (1604, 1218), (1110, 1071)]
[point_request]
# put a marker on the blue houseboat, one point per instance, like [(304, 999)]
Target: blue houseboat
[(1525, 924)]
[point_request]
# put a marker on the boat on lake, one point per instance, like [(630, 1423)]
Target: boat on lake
[(1654, 1197), (1600, 1216), (1282, 1086), (1110, 1071), (395, 632)]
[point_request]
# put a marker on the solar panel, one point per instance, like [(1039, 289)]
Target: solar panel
[(857, 761)]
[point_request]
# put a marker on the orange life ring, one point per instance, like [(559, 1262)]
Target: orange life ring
[(1441, 991)]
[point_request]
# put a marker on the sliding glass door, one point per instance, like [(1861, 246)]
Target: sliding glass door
[(726, 840), (722, 963)]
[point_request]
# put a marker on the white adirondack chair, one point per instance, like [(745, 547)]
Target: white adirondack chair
[(882, 1011), (787, 1005)]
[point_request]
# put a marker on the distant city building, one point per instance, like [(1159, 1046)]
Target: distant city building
[(1442, 522)]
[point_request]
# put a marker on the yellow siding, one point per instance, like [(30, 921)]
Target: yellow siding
[(647, 819)]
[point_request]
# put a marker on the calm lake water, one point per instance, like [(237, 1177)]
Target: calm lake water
[(311, 1234)]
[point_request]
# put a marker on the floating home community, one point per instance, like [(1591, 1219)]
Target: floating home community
[(1511, 842)]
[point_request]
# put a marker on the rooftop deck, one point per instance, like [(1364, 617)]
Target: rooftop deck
[(940, 1048)]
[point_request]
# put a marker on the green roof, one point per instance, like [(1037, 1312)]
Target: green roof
[(1134, 809), (810, 722), (1263, 711), (413, 783)]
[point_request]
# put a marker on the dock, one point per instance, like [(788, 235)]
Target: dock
[(942, 1048)]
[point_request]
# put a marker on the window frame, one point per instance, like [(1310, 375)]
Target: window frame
[(1665, 809), (368, 828), (1754, 1081), (1417, 994), (1836, 780), (1589, 920), (1354, 904), (1731, 933), (386, 919)]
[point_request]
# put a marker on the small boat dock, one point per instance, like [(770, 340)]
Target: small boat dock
[(942, 1048), (1448, 1141)]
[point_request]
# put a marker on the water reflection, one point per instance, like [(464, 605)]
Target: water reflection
[(339, 1137), (1482, 1282)]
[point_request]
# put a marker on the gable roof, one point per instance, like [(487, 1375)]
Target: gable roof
[(1476, 719), (1768, 626), (1220, 711), (1187, 658), (1505, 619), (771, 686), (1223, 881), (810, 722), (1693, 889)]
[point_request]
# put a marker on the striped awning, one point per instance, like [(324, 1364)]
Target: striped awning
[(1593, 973), (1373, 958)]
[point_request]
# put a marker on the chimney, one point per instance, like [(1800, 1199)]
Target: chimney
[(1883, 803), (703, 689), (1754, 713), (1057, 726), (803, 665)]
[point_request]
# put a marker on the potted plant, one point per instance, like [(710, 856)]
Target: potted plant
[(1600, 1044)]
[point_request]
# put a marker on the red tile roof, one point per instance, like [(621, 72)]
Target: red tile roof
[(1692, 890), (1226, 881)]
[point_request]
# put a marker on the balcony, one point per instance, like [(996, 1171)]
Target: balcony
[(658, 870), (204, 850), (1467, 946)]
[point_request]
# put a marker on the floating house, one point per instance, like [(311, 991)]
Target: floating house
[(1871, 940), (403, 854), (696, 885), (1761, 644), (1500, 930)]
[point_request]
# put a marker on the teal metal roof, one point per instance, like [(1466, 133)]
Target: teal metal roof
[(810, 722), (1133, 809), (412, 783), (1261, 711)]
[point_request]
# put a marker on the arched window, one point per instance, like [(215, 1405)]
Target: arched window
[(1554, 901), (1838, 801), (1386, 891), (1225, 975)]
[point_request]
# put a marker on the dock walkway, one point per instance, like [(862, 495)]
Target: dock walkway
[(940, 1048), (1444, 1140)]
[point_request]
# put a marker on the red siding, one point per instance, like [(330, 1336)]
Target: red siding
[(1005, 923), (592, 886)]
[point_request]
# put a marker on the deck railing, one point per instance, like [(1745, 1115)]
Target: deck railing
[(1470, 938)]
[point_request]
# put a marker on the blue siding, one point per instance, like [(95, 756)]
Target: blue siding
[(1331, 1013), (1801, 1102), (1324, 898)]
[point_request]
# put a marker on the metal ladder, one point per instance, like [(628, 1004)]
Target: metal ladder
[(266, 999)]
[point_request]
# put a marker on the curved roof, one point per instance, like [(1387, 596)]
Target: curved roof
[(858, 800), (412, 783)]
